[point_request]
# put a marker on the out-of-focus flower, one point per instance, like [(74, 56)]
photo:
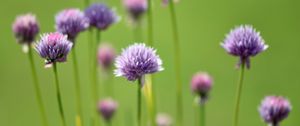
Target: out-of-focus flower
[(136, 61), (136, 8), (274, 109), (100, 16), (201, 84), (163, 120), (106, 56), (53, 47), (25, 28), (71, 22), (166, 2), (107, 108), (244, 42)]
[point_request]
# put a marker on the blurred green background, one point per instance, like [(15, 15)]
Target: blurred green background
[(202, 25)]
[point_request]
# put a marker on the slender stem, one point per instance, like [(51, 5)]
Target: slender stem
[(37, 88), (138, 31), (150, 42), (150, 23), (77, 84), (202, 115), (238, 95), (177, 63), (139, 103), (109, 123), (58, 95)]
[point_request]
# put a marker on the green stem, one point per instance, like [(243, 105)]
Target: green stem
[(150, 42), (139, 103), (37, 88), (177, 63), (77, 84), (150, 23), (202, 115), (238, 95), (58, 95), (138, 31)]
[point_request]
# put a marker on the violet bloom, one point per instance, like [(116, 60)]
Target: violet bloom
[(201, 84), (53, 47), (106, 56), (136, 8), (274, 109), (25, 28), (244, 42), (107, 108), (136, 61), (163, 120), (100, 16), (70, 22)]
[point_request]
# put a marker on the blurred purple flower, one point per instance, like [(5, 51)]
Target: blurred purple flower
[(201, 84), (163, 120), (53, 47), (106, 56), (100, 16), (107, 108), (245, 42), (136, 61), (70, 22), (166, 2), (136, 8), (25, 28), (274, 109)]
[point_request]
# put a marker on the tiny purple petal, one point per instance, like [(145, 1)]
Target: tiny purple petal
[(136, 61), (54, 47), (274, 109), (71, 22), (25, 28), (100, 16), (244, 42)]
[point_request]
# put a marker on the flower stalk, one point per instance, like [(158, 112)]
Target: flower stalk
[(238, 94), (58, 94), (177, 62), (37, 87)]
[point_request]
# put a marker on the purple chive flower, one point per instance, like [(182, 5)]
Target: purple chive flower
[(107, 108), (70, 22), (100, 16), (25, 28), (274, 109), (136, 8), (201, 84), (106, 56), (136, 61), (244, 42), (53, 47), (163, 120)]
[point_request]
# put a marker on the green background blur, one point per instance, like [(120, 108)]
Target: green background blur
[(202, 25)]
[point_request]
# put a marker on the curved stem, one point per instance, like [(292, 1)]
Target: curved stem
[(139, 103), (77, 85), (58, 95), (202, 115), (238, 95), (177, 63), (37, 88)]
